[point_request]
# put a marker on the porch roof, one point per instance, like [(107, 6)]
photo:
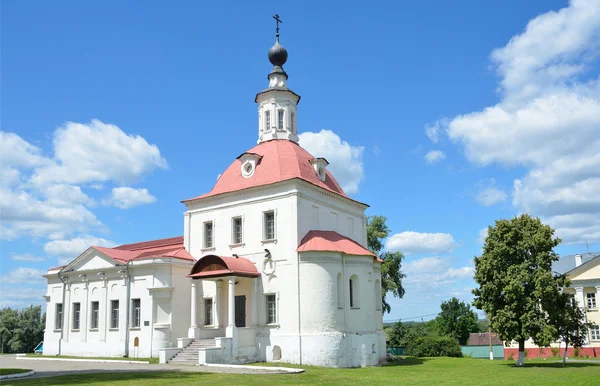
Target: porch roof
[(211, 266)]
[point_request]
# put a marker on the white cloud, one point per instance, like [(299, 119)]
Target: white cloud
[(415, 242), (482, 235), (490, 196), (15, 151), (21, 296), (125, 197), (98, 152), (70, 249), (26, 257), (23, 275), (547, 119), (345, 160), (435, 272), (434, 156), (433, 131)]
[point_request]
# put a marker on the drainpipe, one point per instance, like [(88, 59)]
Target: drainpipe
[(299, 313), (62, 322), (127, 309)]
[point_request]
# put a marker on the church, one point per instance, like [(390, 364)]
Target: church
[(272, 266)]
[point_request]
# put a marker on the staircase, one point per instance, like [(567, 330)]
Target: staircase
[(189, 355)]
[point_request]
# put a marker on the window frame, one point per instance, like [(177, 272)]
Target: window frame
[(114, 314), (273, 302), (208, 312), (268, 120), (205, 245), (591, 301), (280, 119), (94, 315), (595, 333), (234, 240), (76, 317), (354, 287), (135, 310), (265, 226), (58, 316)]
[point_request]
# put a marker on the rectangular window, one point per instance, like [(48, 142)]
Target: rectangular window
[(208, 234), (591, 301), (267, 120), (269, 226), (595, 333), (572, 300), (76, 316), (114, 314), (292, 126), (236, 230), (271, 309), (208, 312), (58, 316), (280, 119), (351, 293), (136, 313), (95, 314)]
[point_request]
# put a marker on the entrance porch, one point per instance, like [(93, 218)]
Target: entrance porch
[(224, 308)]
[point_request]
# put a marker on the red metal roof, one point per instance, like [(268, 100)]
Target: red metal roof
[(281, 160), (218, 266), (171, 247), (332, 241)]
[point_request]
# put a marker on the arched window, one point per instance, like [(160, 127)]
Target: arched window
[(354, 292), (378, 298), (340, 291), (267, 120)]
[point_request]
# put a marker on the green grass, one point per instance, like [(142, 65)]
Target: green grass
[(409, 371), (13, 371), (151, 360)]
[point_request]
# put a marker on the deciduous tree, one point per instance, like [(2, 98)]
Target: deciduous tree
[(457, 320), (391, 268), (516, 283)]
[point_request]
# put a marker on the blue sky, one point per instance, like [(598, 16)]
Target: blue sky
[(441, 117)]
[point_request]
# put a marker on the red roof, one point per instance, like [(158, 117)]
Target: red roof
[(218, 266), (281, 160), (171, 247), (332, 241)]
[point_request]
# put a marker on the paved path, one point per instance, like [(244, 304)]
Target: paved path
[(55, 368)]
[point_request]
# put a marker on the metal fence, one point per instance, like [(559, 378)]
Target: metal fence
[(483, 351)]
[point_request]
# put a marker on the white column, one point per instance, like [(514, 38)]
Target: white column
[(194, 322), (194, 331), (217, 302), (579, 297), (231, 303), (254, 302)]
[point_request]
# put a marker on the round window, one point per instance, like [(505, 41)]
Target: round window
[(247, 169)]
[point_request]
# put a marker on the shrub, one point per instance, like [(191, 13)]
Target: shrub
[(555, 351), (434, 346), (511, 357), (526, 352), (576, 351)]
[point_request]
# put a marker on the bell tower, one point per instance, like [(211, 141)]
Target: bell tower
[(277, 104)]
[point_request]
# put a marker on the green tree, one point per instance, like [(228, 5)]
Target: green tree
[(517, 289), (21, 331), (391, 273), (457, 320)]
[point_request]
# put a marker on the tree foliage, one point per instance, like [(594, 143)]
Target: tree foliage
[(391, 268), (457, 320), (434, 346), (21, 330), (517, 289)]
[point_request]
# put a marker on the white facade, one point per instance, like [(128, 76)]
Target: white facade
[(321, 306)]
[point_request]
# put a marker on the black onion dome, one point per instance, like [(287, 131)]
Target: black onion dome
[(278, 54)]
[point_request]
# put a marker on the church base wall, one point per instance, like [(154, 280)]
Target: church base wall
[(332, 349)]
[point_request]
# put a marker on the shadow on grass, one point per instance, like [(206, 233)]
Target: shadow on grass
[(406, 361), (153, 377), (557, 365)]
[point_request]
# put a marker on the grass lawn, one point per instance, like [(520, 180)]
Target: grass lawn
[(151, 360), (13, 371), (410, 371)]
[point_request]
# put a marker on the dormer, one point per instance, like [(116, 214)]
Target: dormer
[(320, 164), (249, 161)]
